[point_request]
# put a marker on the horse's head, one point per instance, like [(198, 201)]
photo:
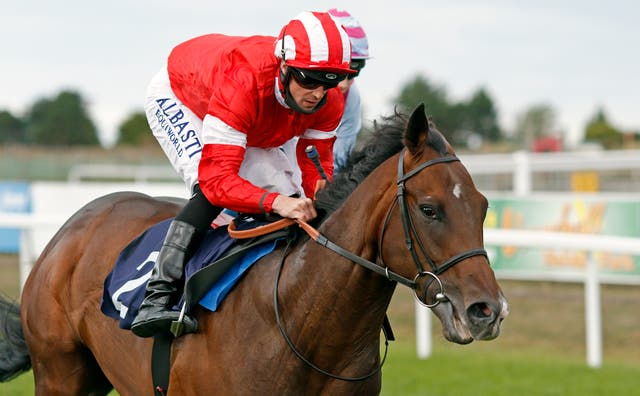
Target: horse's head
[(440, 213)]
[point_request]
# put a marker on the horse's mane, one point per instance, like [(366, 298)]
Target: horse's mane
[(382, 141)]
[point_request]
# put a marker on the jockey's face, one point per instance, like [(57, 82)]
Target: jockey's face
[(306, 98)]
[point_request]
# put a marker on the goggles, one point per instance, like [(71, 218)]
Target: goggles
[(308, 79), (357, 65)]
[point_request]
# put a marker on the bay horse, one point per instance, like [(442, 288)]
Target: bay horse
[(407, 206)]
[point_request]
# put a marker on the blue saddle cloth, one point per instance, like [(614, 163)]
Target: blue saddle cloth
[(124, 287)]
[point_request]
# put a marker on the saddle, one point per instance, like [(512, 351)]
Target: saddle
[(248, 236), (211, 273)]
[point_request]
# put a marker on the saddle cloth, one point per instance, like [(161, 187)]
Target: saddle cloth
[(124, 287)]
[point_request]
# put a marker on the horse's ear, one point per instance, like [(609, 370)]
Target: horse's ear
[(417, 129)]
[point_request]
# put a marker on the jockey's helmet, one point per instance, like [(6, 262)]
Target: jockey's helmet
[(316, 43), (357, 37)]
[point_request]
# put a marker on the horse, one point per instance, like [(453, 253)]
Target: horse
[(305, 321)]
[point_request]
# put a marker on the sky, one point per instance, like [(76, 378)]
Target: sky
[(575, 56)]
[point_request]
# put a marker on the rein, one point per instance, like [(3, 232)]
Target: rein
[(324, 241), (290, 343)]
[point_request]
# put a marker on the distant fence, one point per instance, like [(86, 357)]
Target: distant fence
[(51, 204), (135, 173), (28, 224), (519, 172), (523, 172), (63, 199)]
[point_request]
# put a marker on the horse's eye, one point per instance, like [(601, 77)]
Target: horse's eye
[(429, 212)]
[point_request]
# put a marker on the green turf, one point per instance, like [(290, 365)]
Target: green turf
[(460, 371), (457, 372)]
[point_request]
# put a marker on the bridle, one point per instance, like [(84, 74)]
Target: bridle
[(409, 232)]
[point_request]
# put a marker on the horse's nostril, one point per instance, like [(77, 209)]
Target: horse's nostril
[(480, 311)]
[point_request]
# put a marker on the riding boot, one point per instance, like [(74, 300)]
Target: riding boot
[(155, 314)]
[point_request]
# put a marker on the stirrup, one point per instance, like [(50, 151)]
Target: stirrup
[(177, 327)]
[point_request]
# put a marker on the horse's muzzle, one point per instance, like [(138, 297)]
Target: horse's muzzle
[(480, 320), (485, 318)]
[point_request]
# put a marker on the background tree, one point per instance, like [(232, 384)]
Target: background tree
[(599, 130), (535, 122), (135, 131), (481, 117), (61, 121), (458, 121), (12, 129), (420, 90)]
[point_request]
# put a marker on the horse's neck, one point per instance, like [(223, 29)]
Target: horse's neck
[(345, 293), (355, 225)]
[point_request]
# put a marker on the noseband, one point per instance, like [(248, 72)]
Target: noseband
[(410, 233)]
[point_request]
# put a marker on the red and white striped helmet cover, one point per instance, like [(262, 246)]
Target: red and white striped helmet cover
[(314, 40), (359, 41)]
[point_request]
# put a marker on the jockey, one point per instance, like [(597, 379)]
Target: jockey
[(351, 122), (220, 109)]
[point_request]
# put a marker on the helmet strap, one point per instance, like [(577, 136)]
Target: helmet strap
[(290, 101)]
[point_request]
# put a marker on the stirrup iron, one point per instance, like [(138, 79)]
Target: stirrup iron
[(177, 326)]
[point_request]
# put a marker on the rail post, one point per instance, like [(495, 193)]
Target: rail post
[(593, 320), (423, 330)]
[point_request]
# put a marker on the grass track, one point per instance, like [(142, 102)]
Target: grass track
[(452, 371), (457, 372)]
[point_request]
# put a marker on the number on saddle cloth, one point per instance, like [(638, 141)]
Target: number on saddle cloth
[(124, 287)]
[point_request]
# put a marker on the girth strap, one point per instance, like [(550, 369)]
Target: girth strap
[(161, 362)]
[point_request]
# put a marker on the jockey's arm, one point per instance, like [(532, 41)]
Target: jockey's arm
[(310, 175), (218, 175)]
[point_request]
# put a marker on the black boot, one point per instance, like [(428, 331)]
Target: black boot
[(155, 314)]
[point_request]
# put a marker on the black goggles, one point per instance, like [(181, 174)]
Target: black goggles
[(314, 79), (357, 65)]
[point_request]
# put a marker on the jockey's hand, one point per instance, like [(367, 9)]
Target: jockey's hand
[(320, 185), (294, 208)]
